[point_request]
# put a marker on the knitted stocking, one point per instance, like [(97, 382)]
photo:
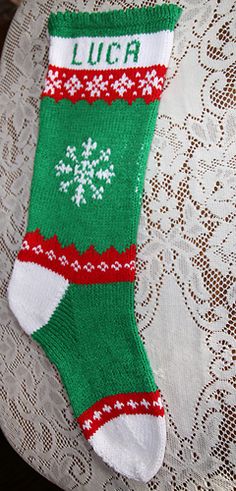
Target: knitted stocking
[(72, 287)]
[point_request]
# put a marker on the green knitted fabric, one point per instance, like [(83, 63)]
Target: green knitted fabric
[(92, 316), (72, 287), (92, 338), (137, 20), (112, 221)]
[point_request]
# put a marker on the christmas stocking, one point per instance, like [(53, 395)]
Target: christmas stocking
[(72, 287)]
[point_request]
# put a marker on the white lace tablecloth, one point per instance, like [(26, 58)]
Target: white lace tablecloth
[(185, 290)]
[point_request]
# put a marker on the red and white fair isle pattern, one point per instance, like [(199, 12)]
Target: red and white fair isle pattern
[(90, 85), (116, 405), (82, 268)]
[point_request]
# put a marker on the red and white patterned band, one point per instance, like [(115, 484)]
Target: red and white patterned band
[(82, 268), (116, 405), (128, 84)]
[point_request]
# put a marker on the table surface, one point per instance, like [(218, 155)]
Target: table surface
[(185, 288)]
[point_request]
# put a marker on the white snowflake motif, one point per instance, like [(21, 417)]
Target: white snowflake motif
[(63, 260), (122, 84), (25, 246), (130, 265), (106, 408), (87, 424), (103, 266), (97, 415), (119, 405), (38, 249), (51, 255), (86, 172), (150, 81), (132, 404), (116, 266), (158, 403), (89, 267), (96, 86), (73, 85), (52, 82), (145, 403), (76, 266)]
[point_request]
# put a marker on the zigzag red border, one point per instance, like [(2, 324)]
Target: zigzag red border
[(82, 268), (115, 405)]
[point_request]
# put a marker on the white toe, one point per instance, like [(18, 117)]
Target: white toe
[(133, 444)]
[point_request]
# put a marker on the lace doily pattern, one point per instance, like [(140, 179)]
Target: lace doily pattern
[(186, 268)]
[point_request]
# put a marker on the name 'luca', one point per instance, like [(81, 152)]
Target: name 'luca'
[(105, 53)]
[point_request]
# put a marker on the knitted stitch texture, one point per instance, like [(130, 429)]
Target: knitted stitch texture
[(72, 286)]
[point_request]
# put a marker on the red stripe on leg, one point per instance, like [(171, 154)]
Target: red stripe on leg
[(88, 267)]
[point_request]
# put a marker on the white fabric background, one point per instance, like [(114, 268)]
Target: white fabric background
[(185, 290)]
